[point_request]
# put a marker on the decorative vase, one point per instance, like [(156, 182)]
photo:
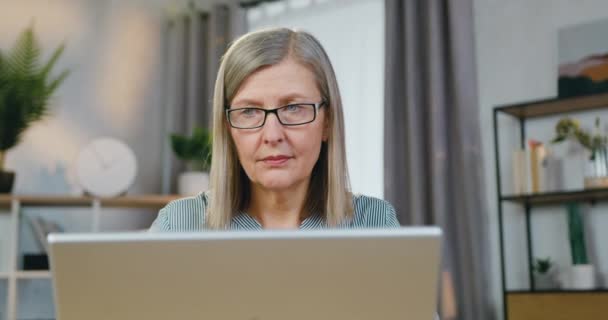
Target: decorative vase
[(190, 183), (596, 169), (7, 179), (545, 281), (582, 277)]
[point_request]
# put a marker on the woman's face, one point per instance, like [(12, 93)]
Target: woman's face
[(277, 157)]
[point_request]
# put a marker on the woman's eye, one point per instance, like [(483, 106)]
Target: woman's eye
[(293, 108), (248, 112)]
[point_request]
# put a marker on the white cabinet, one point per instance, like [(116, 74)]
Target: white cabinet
[(18, 287)]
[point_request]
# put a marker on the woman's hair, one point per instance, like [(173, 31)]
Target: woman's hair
[(329, 189)]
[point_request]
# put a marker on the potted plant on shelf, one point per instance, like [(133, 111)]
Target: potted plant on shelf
[(544, 274), (195, 151), (596, 169), (26, 87), (582, 273)]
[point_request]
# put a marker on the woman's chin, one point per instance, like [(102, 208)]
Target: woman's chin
[(277, 184)]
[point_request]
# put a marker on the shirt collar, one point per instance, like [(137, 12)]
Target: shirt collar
[(243, 221)]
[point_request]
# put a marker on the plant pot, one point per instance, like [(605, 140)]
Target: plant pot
[(582, 277), (190, 183), (545, 281), (7, 179)]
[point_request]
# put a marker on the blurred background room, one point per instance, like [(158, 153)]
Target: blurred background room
[(481, 116)]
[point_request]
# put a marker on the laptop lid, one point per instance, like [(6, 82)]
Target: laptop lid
[(267, 275)]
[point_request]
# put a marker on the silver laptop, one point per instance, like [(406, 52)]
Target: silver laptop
[(262, 275)]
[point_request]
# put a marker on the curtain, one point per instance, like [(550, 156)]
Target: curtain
[(195, 41), (432, 146)]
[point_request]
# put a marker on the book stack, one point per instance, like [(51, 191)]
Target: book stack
[(536, 169)]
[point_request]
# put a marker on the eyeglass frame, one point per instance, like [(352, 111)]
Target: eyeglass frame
[(316, 106)]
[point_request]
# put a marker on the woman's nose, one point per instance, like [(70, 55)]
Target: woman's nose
[(272, 131)]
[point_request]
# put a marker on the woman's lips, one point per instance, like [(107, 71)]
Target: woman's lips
[(276, 160)]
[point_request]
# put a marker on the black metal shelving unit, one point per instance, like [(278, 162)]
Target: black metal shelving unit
[(553, 198), (523, 112)]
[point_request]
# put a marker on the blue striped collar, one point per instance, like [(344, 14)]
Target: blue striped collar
[(243, 221)]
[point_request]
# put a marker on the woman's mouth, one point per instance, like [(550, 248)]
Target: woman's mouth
[(276, 160)]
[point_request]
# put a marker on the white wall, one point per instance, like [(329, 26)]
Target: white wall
[(355, 46), (517, 61)]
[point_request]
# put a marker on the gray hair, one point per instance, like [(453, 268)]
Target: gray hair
[(329, 188)]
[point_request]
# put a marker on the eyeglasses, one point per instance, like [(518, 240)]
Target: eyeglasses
[(290, 115)]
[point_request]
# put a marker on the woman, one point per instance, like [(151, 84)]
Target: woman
[(279, 160)]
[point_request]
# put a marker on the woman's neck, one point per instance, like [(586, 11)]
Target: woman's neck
[(282, 209)]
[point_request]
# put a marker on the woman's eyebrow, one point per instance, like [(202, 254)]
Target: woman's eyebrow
[(293, 96), (247, 102), (283, 100)]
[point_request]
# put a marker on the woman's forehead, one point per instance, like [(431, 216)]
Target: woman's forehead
[(287, 80)]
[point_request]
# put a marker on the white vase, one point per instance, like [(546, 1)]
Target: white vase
[(545, 281), (573, 159), (190, 183), (582, 277)]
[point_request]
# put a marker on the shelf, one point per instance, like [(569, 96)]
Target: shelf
[(555, 106), (560, 197), (582, 305), (144, 201), (42, 274), (139, 201), (556, 303), (559, 291)]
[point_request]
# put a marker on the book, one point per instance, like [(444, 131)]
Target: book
[(537, 155), (520, 171)]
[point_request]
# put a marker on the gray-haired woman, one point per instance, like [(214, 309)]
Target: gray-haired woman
[(279, 159)]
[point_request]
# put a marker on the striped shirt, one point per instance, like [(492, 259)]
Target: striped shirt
[(188, 214)]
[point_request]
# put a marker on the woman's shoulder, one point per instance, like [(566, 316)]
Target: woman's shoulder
[(372, 212), (185, 214)]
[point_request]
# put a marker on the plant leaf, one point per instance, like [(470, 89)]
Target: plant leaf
[(195, 149), (44, 71), (24, 91), (23, 59), (55, 83)]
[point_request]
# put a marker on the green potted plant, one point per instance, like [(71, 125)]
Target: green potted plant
[(596, 169), (195, 151), (543, 274), (26, 87), (582, 273)]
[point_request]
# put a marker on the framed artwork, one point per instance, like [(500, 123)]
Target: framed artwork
[(583, 59)]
